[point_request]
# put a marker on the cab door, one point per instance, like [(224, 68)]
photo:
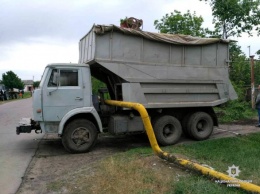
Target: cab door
[(63, 92)]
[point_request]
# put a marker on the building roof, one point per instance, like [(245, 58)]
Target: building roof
[(28, 82)]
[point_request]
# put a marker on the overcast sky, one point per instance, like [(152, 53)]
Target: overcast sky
[(34, 33)]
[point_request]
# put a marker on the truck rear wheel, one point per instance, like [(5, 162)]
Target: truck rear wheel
[(184, 124), (167, 130), (200, 125), (79, 136)]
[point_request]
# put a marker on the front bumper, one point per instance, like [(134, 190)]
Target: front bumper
[(26, 125)]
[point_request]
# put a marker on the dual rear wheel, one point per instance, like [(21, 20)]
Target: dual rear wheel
[(199, 126), (168, 129)]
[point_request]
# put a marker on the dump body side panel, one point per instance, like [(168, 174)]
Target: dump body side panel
[(87, 47), (114, 46)]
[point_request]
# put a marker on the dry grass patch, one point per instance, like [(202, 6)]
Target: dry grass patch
[(123, 175), (144, 175), (138, 171)]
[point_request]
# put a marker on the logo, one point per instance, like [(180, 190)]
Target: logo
[(233, 171)]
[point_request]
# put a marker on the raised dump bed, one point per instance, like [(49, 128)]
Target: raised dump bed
[(158, 70)]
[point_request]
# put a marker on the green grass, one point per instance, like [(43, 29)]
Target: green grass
[(234, 110), (27, 95), (139, 171), (220, 153)]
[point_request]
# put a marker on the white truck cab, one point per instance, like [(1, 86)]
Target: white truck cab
[(64, 97)]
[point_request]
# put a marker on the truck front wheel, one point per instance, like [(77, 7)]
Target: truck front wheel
[(200, 125), (79, 136), (167, 130)]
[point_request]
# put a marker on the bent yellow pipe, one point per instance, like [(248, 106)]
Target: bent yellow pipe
[(171, 158)]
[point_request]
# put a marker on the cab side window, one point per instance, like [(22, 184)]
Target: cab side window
[(69, 77), (63, 77)]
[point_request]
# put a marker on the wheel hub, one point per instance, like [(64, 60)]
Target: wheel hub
[(168, 130), (202, 125), (80, 136)]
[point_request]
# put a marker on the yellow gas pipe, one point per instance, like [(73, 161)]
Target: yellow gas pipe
[(171, 158)]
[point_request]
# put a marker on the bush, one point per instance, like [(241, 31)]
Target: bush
[(236, 109)]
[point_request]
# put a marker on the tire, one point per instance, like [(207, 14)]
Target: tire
[(167, 130), (200, 125), (79, 136), (184, 124)]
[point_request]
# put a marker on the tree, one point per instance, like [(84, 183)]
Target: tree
[(36, 84), (11, 80), (187, 24), (233, 17), (234, 51), (258, 53), (240, 71), (96, 84)]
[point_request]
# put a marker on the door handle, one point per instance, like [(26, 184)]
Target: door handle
[(78, 98)]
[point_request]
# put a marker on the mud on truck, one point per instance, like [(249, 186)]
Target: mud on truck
[(178, 78)]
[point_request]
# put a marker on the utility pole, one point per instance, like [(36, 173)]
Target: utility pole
[(252, 81)]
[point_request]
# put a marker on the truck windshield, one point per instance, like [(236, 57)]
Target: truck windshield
[(44, 76)]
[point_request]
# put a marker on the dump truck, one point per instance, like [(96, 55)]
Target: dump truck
[(177, 78)]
